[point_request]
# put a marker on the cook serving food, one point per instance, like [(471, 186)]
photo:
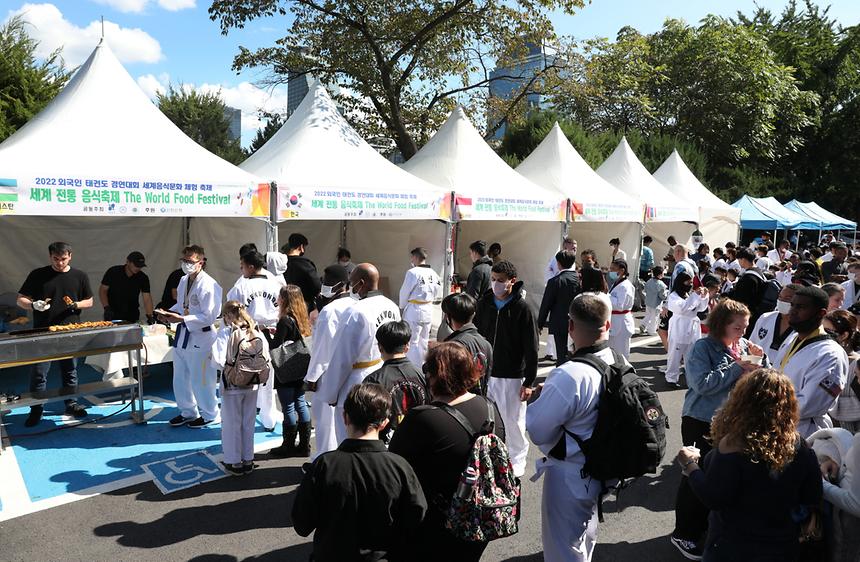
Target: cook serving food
[(56, 294)]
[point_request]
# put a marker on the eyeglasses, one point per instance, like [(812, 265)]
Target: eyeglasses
[(189, 262)]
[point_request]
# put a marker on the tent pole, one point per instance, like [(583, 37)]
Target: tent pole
[(448, 266), (343, 234), (186, 231), (272, 231)]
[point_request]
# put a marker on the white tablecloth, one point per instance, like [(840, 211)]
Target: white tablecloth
[(156, 350)]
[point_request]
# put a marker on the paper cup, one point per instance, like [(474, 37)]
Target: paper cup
[(752, 359)]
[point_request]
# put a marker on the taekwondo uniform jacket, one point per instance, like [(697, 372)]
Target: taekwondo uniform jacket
[(421, 288), (200, 306), (819, 372), (259, 294), (765, 335), (852, 295), (356, 353), (329, 322)]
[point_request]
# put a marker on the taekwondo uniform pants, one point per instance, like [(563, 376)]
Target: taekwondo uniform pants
[(506, 394), (194, 383)]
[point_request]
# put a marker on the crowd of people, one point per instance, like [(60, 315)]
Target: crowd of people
[(763, 339)]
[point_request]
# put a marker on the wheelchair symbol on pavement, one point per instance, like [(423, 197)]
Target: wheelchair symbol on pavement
[(179, 473)]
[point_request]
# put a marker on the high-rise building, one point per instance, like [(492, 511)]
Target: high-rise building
[(298, 86), (520, 73), (234, 116)]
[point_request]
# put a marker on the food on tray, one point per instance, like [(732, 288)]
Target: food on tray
[(79, 326), (68, 300)]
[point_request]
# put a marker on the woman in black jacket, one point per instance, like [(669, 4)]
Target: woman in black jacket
[(437, 447), (293, 325)]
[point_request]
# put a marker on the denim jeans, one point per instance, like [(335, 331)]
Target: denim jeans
[(39, 376), (293, 402)]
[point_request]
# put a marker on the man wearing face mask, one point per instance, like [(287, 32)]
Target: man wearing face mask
[(772, 328), (194, 376), (333, 304), (356, 353), (816, 364), (258, 290), (852, 286), (508, 323), (459, 311), (301, 271), (421, 289)]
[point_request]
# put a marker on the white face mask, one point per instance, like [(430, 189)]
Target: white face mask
[(500, 288), (783, 307), (326, 291), (188, 268), (852, 276)]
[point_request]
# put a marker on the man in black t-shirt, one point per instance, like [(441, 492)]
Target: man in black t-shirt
[(56, 294), (168, 297), (121, 288), (300, 270)]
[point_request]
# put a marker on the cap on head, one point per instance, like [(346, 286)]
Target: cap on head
[(137, 259)]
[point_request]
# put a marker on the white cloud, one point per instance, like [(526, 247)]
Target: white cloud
[(176, 5), (246, 97), (53, 30), (137, 6)]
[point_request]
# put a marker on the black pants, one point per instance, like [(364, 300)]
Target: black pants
[(691, 517), (39, 376), (561, 350)]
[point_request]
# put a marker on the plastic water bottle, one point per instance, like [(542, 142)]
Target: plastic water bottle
[(467, 482)]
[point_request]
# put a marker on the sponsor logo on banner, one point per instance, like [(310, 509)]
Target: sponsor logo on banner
[(8, 195)]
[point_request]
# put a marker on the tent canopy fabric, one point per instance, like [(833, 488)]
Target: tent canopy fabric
[(624, 170), (766, 213), (458, 159), (718, 221), (828, 220), (556, 165), (324, 169), (101, 147)]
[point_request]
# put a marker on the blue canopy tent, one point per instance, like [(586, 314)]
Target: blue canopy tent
[(814, 211), (766, 213)]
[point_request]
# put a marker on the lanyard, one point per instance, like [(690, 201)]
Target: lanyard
[(797, 346)]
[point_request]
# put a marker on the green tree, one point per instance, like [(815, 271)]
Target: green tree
[(26, 84), (412, 61), (200, 115), (273, 124)]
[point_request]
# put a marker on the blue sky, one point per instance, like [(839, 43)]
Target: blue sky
[(163, 41)]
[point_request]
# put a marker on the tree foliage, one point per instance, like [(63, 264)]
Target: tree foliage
[(273, 124), (26, 84), (200, 115), (408, 63)]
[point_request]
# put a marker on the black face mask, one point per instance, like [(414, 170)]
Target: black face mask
[(832, 333)]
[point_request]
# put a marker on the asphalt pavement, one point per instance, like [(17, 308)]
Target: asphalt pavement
[(248, 518)]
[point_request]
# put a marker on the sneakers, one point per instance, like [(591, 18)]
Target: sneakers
[(237, 469), (35, 416), (76, 410), (180, 421), (200, 423), (688, 549), (248, 467)]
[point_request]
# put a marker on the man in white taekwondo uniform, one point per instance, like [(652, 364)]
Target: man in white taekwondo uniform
[(852, 286), (356, 353), (258, 290), (421, 289), (569, 400), (772, 329), (276, 263), (815, 363), (335, 292), (550, 271), (198, 304)]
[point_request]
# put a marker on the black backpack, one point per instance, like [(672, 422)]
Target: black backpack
[(769, 296), (629, 439)]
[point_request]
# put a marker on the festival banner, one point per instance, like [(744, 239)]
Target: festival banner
[(135, 196), (511, 208), (606, 212), (361, 204), (669, 213)]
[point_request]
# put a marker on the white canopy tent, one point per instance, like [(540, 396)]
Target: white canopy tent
[(103, 169), (598, 210), (336, 189), (665, 214), (494, 203), (719, 222)]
